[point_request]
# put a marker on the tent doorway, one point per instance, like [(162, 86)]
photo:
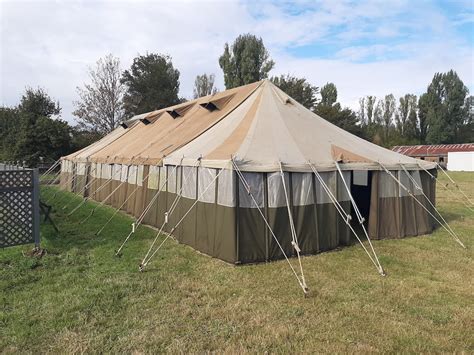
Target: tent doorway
[(361, 188)]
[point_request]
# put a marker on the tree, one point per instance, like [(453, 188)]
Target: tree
[(245, 62), (388, 106), (331, 110), (40, 134), (405, 116), (204, 85), (151, 83), (328, 94), (447, 114), (101, 102), (298, 88)]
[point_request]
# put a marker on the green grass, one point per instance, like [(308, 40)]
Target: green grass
[(80, 298)]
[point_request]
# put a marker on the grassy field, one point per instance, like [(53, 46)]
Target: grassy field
[(80, 298)]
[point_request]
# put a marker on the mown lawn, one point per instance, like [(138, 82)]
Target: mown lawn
[(80, 298)]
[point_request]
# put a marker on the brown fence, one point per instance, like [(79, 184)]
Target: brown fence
[(19, 206)]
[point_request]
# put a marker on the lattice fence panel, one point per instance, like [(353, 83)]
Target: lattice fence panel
[(17, 207)]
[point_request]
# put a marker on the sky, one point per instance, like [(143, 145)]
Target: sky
[(365, 47)]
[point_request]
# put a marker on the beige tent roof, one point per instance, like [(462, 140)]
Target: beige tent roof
[(161, 132), (84, 154), (269, 127)]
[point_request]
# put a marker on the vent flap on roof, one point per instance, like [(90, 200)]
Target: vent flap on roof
[(218, 103), (180, 111), (151, 118)]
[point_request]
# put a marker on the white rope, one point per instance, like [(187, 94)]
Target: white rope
[(100, 188), (419, 188), (344, 215), (361, 219), (84, 188), (292, 227), (120, 207), (421, 204), (102, 202), (182, 218), (51, 168), (244, 182), (137, 223), (445, 186), (456, 185), (167, 215)]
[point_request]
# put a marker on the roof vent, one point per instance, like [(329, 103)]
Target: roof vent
[(180, 111), (124, 125), (210, 106), (151, 118), (217, 103), (288, 101)]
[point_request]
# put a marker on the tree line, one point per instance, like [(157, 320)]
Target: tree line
[(32, 130)]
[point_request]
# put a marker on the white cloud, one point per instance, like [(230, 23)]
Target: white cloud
[(51, 43)]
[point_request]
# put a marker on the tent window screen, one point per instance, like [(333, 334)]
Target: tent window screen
[(302, 189), (361, 177), (92, 171), (179, 177), (255, 183), (342, 193), (132, 174), (98, 171), (189, 182), (81, 169), (153, 177), (172, 179), (416, 176), (276, 192), (388, 187), (162, 184), (106, 171), (207, 185), (329, 179), (123, 176), (117, 172), (226, 189), (140, 175)]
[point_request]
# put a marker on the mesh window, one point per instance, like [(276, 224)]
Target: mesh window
[(140, 175), (205, 181), (162, 184), (276, 192), (171, 179), (405, 181), (153, 177), (179, 177), (342, 193), (226, 188), (189, 183), (124, 174), (255, 182), (302, 189), (98, 171), (361, 177), (132, 174), (81, 168), (416, 176), (106, 171), (388, 187), (330, 180), (117, 172)]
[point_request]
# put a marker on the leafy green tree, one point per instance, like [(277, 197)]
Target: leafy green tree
[(10, 126), (447, 113), (245, 62), (328, 94), (331, 110), (388, 106), (101, 101), (40, 134), (298, 88), (204, 85), (151, 83)]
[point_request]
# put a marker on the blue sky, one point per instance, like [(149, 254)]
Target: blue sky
[(365, 47)]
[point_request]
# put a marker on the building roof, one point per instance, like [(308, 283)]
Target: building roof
[(433, 150)]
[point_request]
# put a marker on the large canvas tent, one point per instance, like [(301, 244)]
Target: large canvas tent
[(250, 175)]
